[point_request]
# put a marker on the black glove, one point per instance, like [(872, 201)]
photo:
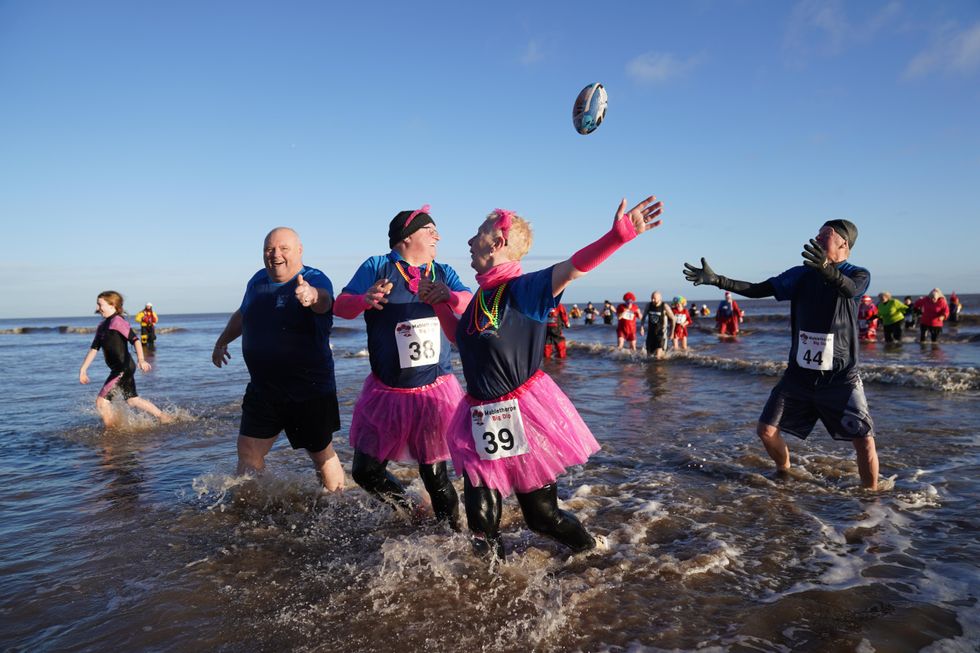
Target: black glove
[(814, 256), (703, 276)]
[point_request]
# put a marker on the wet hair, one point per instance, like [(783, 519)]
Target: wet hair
[(114, 299), (519, 238)]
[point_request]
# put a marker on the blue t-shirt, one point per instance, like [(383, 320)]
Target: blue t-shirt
[(390, 328), (817, 307), (498, 361), (286, 346)]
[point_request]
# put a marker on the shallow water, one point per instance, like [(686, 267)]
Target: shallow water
[(143, 539)]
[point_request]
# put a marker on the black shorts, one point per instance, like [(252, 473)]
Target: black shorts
[(308, 424), (841, 407), (656, 339), (119, 384)]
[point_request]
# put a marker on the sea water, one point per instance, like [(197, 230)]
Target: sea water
[(143, 538)]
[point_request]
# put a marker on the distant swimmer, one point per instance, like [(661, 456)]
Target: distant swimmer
[(821, 380), (728, 316), (516, 431), (627, 314), (912, 314), (555, 340), (891, 313), (933, 311), (867, 320), (955, 308), (113, 337), (147, 320), (607, 312), (285, 320), (660, 325), (590, 313), (682, 320), (575, 313), (411, 393)]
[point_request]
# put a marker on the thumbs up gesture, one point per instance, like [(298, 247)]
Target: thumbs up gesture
[(305, 293)]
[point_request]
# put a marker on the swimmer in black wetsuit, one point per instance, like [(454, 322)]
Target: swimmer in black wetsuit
[(821, 379), (113, 337)]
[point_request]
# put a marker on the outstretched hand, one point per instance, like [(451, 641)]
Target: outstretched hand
[(703, 276), (644, 216), (815, 256)]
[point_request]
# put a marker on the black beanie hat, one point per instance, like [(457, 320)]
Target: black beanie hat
[(398, 230), (846, 229)]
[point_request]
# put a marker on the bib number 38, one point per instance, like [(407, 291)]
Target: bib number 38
[(498, 430), (418, 342), (815, 351)]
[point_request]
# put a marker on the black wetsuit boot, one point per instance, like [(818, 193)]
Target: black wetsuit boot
[(542, 515), (483, 510), (445, 501), (372, 475)]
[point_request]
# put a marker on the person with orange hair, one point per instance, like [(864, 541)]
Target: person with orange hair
[(626, 313)]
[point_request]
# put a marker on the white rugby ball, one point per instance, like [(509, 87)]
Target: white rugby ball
[(590, 108)]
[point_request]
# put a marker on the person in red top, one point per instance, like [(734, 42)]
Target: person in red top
[(934, 311), (627, 312), (682, 318), (554, 340), (867, 319)]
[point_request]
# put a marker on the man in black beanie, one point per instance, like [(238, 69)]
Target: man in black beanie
[(821, 379)]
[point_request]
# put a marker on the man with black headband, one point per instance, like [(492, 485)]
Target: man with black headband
[(821, 378), (411, 392)]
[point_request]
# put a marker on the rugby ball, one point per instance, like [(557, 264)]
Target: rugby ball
[(589, 109)]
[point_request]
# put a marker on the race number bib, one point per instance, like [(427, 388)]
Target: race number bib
[(498, 430), (815, 351), (418, 342), (627, 315), (681, 319)]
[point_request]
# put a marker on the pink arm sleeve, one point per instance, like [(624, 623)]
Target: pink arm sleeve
[(349, 306), (589, 257), (447, 320), (458, 300)]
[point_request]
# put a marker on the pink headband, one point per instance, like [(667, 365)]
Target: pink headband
[(504, 220), (425, 209)]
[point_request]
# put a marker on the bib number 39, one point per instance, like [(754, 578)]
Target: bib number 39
[(418, 342), (498, 430), (815, 351)]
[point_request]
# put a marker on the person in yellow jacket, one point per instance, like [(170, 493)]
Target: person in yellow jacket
[(147, 320), (891, 312)]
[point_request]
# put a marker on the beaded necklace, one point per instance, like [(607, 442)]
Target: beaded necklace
[(429, 270), (492, 312)]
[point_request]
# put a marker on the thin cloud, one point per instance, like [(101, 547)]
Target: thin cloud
[(822, 28), (660, 67), (952, 53), (532, 53)]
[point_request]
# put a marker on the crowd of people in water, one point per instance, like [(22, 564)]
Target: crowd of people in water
[(511, 429)]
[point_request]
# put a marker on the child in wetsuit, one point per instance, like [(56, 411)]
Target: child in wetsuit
[(113, 337)]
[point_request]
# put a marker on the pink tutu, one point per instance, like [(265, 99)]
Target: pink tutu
[(556, 436), (405, 424)]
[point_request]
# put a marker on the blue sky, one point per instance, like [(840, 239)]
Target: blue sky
[(149, 146)]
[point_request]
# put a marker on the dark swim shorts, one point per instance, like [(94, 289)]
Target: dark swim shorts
[(841, 407), (308, 424), (119, 384)]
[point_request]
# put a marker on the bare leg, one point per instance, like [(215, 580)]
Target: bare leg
[(619, 343), (867, 461), (774, 444), (148, 407), (251, 453), (327, 464), (684, 342), (104, 406)]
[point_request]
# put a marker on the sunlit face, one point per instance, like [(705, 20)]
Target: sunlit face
[(834, 244), (657, 297), (104, 308), (421, 246), (483, 246), (283, 255)]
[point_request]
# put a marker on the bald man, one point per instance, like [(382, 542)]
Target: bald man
[(285, 320)]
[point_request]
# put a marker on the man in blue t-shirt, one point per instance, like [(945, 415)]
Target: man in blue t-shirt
[(821, 379), (285, 320)]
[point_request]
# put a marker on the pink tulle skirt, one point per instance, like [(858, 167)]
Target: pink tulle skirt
[(405, 424), (557, 438)]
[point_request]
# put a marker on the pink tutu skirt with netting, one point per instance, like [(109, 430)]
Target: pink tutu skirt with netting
[(556, 436), (405, 424)]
